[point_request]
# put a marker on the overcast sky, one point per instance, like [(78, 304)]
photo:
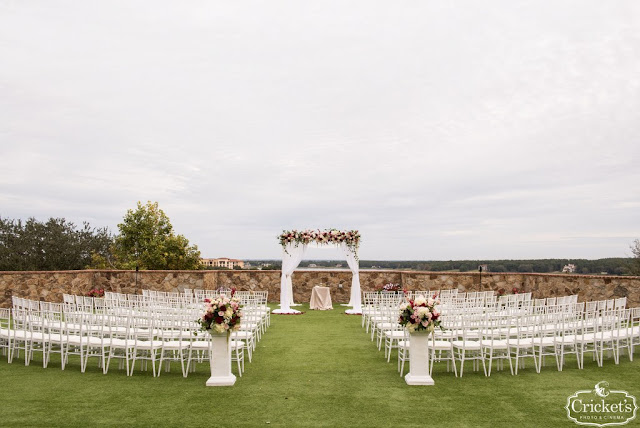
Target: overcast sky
[(440, 129)]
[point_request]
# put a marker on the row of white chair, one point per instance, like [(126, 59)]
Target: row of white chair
[(128, 332), (473, 332)]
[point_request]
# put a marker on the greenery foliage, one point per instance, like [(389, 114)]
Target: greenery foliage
[(634, 265), (52, 245), (147, 240)]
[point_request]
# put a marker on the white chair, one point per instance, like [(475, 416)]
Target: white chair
[(5, 330), (145, 344), (20, 338), (97, 341), (174, 335), (566, 337), (633, 331), (54, 330), (522, 344), (76, 337), (441, 350), (392, 337), (494, 342), (468, 347), (586, 337), (121, 340)]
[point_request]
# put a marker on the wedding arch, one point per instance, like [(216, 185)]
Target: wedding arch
[(294, 245)]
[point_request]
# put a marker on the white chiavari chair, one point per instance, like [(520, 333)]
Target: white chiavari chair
[(145, 343), (5, 330), (522, 344), (633, 331), (174, 334), (494, 342), (121, 339), (468, 347)]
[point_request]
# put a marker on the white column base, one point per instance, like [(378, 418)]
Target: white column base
[(418, 380), (419, 360), (285, 311), (229, 380)]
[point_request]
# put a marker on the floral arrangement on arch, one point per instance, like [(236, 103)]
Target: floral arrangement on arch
[(327, 236), (96, 292), (420, 314), (388, 288), (221, 315)]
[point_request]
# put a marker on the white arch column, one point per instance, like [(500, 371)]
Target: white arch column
[(292, 255)]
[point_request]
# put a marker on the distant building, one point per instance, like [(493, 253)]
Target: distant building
[(339, 265), (222, 262), (312, 265), (570, 268), (483, 268)]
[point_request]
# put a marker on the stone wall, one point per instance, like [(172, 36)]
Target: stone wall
[(51, 285)]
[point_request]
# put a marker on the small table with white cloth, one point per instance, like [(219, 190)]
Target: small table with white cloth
[(320, 298)]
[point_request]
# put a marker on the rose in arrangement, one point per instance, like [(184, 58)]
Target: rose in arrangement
[(390, 287), (96, 292), (221, 314), (420, 314)]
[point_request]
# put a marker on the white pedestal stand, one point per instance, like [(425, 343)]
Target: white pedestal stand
[(220, 361), (419, 360), (286, 312)]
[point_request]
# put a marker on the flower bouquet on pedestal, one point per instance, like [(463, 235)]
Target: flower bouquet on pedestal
[(221, 316), (420, 316)]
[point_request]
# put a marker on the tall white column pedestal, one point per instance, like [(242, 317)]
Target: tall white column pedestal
[(220, 361), (419, 360)]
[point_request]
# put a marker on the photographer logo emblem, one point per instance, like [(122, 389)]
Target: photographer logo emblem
[(601, 406)]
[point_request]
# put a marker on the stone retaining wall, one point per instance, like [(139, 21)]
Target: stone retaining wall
[(51, 285)]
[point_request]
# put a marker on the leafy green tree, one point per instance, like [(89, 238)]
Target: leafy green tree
[(147, 240), (54, 245), (634, 266)]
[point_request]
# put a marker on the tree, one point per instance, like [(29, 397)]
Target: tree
[(634, 266), (54, 245), (525, 267), (147, 240)]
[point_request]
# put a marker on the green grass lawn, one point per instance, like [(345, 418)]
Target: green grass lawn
[(317, 369)]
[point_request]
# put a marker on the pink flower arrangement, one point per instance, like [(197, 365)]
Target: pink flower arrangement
[(221, 315), (96, 292), (388, 288), (328, 236), (420, 314)]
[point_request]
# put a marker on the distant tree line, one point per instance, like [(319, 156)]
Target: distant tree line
[(610, 266)]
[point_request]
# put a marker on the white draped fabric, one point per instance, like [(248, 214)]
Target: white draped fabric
[(292, 255), (355, 299)]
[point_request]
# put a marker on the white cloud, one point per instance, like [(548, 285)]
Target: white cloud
[(455, 130)]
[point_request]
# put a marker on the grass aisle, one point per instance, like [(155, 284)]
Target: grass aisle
[(317, 369)]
